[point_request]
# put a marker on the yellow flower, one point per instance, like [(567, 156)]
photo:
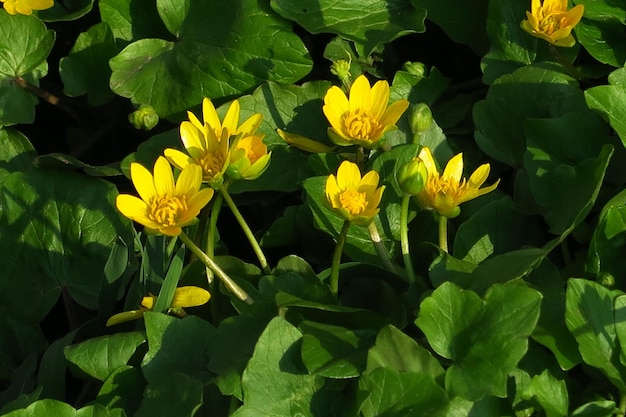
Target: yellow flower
[(444, 193), (551, 21), (164, 206), (363, 118), (354, 198), (183, 297), (248, 158), (26, 6), (207, 143)]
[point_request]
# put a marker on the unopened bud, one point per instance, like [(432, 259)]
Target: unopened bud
[(420, 118), (144, 118), (606, 280), (415, 68), (341, 68), (412, 176)]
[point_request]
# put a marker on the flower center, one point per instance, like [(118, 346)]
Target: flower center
[(353, 201), (446, 187), (552, 23), (166, 209), (212, 164), (360, 124)]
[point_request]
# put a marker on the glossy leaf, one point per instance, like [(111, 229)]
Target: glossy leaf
[(484, 339)]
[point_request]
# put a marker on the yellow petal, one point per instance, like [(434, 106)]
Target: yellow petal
[(143, 181), (304, 143), (332, 191), (428, 160), (479, 176), (474, 193), (210, 114), (348, 176), (194, 121), (148, 302), (369, 181), (190, 296), (125, 316), (231, 120), (535, 6), (163, 177), (177, 158), (135, 209), (360, 94), (251, 124), (192, 137), (394, 112), (379, 98), (196, 203), (454, 168), (189, 180), (336, 104)]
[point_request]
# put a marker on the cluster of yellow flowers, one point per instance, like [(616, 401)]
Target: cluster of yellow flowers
[(215, 150), (551, 21), (362, 119)]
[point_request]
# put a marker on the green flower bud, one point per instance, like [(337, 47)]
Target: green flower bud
[(412, 176), (341, 68), (420, 118), (144, 118), (415, 68), (606, 280)]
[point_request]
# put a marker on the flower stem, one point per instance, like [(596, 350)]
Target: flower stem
[(556, 54), (212, 233), (380, 248), (334, 268), (228, 281), (246, 230), (47, 96), (443, 233), (404, 237)]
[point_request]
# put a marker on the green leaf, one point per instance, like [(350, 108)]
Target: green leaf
[(123, 389), (397, 351), (133, 19), (334, 351), (167, 338), (603, 37), (16, 152), (566, 193), (538, 90), (45, 408), (511, 47), (100, 356), (170, 283), (367, 23), (175, 395), (66, 10), (550, 393), (173, 14), (25, 43), (86, 69), (98, 410), (276, 372), (210, 55), (485, 339), (610, 102), (393, 394), (463, 22), (596, 409), (590, 317), (495, 229), (57, 233), (53, 367)]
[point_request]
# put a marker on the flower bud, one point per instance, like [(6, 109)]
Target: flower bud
[(412, 176), (144, 118), (420, 118), (415, 68), (341, 68)]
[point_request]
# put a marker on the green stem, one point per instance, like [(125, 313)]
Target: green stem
[(212, 234), (246, 230), (443, 233), (556, 54), (334, 268), (380, 248), (228, 282), (404, 237), (622, 403)]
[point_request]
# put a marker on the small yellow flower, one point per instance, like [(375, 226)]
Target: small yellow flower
[(26, 6), (363, 118), (164, 206), (354, 198), (183, 297), (551, 21), (207, 143), (444, 193), (248, 158)]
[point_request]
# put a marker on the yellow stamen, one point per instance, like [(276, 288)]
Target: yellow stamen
[(354, 201), (166, 209), (360, 124), (212, 164)]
